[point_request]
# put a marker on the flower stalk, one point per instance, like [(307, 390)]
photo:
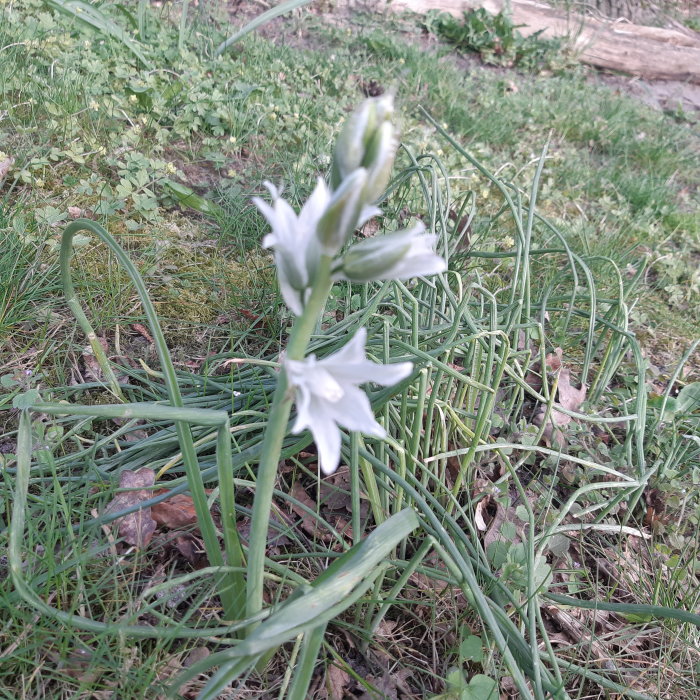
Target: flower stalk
[(274, 436)]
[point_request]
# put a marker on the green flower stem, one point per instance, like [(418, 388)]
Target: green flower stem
[(274, 435)]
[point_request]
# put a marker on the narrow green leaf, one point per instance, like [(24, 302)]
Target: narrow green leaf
[(189, 198), (259, 21), (91, 16), (345, 580), (688, 399)]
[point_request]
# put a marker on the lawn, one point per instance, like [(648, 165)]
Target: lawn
[(528, 524)]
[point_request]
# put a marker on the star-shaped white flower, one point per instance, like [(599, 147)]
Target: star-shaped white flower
[(328, 396), (294, 241)]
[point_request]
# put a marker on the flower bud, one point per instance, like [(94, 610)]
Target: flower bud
[(367, 140), (380, 155), (342, 214), (399, 255)]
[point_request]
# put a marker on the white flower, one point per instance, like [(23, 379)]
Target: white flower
[(399, 255), (294, 241), (328, 395)]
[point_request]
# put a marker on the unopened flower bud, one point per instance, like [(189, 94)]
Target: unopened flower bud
[(380, 155), (342, 215), (368, 140), (399, 255)]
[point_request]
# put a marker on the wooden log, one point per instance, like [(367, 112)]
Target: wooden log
[(646, 52)]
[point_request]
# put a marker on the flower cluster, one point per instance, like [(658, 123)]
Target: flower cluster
[(362, 164), (327, 391)]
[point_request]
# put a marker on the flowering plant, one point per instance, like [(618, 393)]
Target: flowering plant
[(307, 249)]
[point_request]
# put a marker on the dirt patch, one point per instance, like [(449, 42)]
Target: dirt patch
[(666, 95)]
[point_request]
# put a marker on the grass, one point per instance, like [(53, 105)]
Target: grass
[(89, 128)]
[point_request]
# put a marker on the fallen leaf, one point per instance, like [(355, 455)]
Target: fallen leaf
[(462, 229), (92, 366), (142, 330), (480, 512), (76, 212), (135, 528), (553, 360), (335, 491), (188, 547), (570, 398), (78, 664), (371, 228), (389, 685), (337, 682), (5, 166), (308, 522), (656, 508), (371, 88), (175, 512)]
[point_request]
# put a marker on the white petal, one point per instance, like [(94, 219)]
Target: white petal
[(268, 212), (417, 266), (325, 385), (368, 371), (367, 212), (353, 351), (354, 412), (327, 438), (315, 206), (274, 192), (291, 296)]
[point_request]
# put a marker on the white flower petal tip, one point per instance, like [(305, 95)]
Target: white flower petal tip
[(293, 239), (328, 396), (399, 255)]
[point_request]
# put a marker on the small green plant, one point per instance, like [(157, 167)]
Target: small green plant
[(495, 38)]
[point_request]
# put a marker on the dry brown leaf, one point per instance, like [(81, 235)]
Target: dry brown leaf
[(92, 366), (553, 360), (583, 635), (78, 664), (175, 512), (370, 228), (388, 685), (569, 398), (135, 528), (195, 656), (76, 212), (481, 514), (308, 522), (188, 547), (5, 166), (335, 492), (552, 363), (337, 682), (142, 330), (427, 584), (493, 534)]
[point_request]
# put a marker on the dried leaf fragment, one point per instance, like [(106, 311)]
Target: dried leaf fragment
[(337, 682), (570, 398), (135, 528), (5, 165), (175, 512)]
